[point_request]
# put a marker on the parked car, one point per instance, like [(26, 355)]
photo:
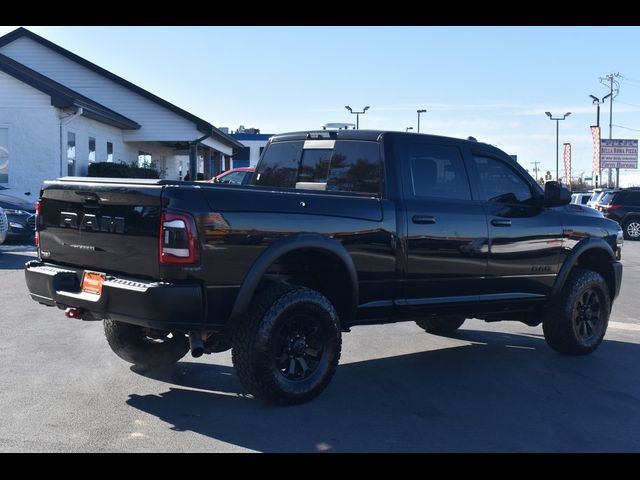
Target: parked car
[(238, 176), (4, 226), (623, 206), (338, 229), (596, 196), (20, 214), (581, 198)]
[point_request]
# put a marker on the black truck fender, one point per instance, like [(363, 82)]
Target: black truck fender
[(584, 246), (300, 241)]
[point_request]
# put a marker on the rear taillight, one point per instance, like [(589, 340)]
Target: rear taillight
[(36, 238), (178, 239), (613, 206)]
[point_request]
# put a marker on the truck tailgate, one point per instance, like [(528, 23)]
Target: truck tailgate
[(108, 225)]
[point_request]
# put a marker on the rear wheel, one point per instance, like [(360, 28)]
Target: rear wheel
[(441, 325), (631, 229), (145, 347), (287, 347), (577, 320)]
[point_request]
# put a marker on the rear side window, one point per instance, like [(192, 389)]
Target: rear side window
[(628, 197), (606, 198), (634, 198), (438, 171), (279, 165), (585, 199), (355, 167)]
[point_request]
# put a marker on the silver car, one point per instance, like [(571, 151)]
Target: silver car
[(4, 226)]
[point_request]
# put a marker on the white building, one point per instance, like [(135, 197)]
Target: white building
[(60, 112)]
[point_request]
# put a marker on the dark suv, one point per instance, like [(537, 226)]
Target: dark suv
[(623, 206)]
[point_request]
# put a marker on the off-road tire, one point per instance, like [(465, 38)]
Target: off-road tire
[(569, 326), (260, 345)]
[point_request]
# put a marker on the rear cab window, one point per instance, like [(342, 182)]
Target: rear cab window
[(346, 166)]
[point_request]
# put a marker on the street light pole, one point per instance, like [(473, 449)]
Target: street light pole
[(548, 114), (357, 114), (597, 101), (424, 110)]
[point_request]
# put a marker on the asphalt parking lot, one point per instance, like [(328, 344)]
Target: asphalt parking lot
[(493, 388)]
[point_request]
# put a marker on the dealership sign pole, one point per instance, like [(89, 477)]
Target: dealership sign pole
[(597, 168), (567, 163)]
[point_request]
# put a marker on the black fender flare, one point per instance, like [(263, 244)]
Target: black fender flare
[(627, 216), (281, 247), (591, 243)]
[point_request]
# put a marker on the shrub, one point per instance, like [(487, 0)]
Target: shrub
[(107, 169), (121, 170)]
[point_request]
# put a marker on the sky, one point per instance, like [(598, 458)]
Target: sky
[(493, 83)]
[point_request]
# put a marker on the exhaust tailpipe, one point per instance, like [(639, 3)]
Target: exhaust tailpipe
[(196, 344), (73, 312)]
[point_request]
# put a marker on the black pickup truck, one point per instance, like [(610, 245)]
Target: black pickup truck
[(335, 229)]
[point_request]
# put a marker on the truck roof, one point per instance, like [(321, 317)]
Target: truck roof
[(367, 135)]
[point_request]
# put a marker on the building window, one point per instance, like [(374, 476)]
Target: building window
[(109, 152), (92, 149), (71, 153), (144, 159), (4, 154)]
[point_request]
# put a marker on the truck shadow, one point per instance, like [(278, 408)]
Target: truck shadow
[(501, 392), (14, 260)]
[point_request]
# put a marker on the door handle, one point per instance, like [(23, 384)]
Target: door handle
[(499, 222), (423, 219)]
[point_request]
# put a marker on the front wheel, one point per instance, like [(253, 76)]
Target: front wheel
[(631, 229), (287, 347), (577, 320), (145, 347)]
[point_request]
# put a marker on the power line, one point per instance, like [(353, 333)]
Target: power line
[(627, 128), (632, 85), (629, 79), (630, 104)]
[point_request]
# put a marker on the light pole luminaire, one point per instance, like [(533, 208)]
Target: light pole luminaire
[(423, 110), (357, 114), (557, 119)]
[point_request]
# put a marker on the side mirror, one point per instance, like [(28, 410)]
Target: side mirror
[(556, 194)]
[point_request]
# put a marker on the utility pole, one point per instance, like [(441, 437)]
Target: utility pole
[(535, 169), (611, 79)]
